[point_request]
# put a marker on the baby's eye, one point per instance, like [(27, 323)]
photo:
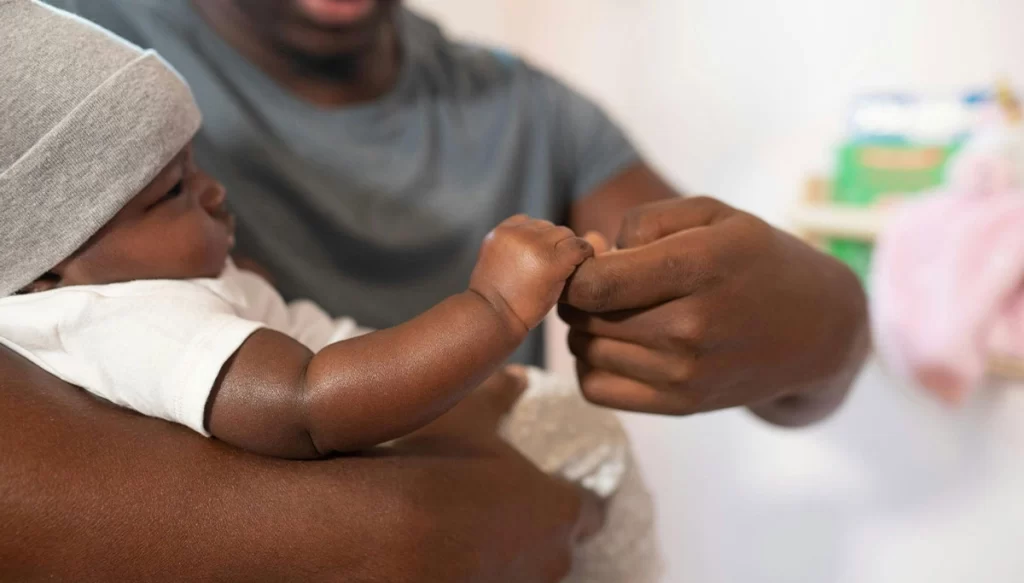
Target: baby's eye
[(174, 192)]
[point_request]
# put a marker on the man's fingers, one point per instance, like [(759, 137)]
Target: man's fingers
[(616, 392), (646, 276), (657, 369), (678, 328), (628, 325), (647, 223), (597, 241)]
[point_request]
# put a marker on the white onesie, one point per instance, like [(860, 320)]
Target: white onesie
[(157, 346)]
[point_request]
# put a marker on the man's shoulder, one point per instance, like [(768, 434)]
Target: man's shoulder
[(99, 7), (442, 56), (125, 18)]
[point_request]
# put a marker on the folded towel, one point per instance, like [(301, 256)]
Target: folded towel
[(948, 274)]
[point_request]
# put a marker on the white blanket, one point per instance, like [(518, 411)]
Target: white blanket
[(563, 434)]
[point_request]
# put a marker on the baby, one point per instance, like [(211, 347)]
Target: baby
[(115, 273)]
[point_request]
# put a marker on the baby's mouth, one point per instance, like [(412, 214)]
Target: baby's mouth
[(227, 220), (229, 225)]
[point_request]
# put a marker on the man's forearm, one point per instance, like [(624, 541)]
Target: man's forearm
[(604, 210), (91, 492)]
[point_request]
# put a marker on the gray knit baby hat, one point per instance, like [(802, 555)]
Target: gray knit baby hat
[(87, 120)]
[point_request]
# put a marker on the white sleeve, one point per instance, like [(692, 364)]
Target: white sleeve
[(302, 320), (158, 353)]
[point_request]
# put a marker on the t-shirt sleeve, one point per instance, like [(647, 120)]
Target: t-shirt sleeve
[(590, 148), (109, 14), (311, 325), (157, 353)]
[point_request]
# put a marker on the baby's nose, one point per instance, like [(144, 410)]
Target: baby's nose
[(213, 196)]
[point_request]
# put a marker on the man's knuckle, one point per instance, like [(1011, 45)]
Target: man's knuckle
[(594, 394), (664, 331), (680, 375), (707, 201), (697, 327), (689, 329)]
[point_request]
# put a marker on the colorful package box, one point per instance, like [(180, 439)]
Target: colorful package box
[(898, 145)]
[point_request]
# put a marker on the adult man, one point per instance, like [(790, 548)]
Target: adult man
[(367, 155)]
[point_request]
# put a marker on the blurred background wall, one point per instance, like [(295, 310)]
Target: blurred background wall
[(742, 99)]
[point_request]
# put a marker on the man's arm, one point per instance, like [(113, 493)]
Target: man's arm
[(90, 492), (704, 307), (707, 308), (604, 209)]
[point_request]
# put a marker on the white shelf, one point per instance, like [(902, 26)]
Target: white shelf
[(843, 222)]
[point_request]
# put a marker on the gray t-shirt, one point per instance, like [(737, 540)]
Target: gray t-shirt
[(377, 211)]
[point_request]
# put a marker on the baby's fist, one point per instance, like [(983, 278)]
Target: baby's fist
[(524, 264)]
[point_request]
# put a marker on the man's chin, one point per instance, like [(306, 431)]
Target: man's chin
[(326, 43)]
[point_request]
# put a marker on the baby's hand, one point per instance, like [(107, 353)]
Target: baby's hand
[(523, 266)]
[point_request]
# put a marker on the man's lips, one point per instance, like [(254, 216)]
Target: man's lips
[(336, 12)]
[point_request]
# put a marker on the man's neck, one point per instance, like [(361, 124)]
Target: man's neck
[(369, 76)]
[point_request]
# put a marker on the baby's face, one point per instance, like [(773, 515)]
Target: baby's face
[(176, 228)]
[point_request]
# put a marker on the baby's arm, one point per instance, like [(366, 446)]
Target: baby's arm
[(278, 398)]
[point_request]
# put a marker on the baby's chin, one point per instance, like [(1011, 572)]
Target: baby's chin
[(221, 264), (218, 251), (216, 260)]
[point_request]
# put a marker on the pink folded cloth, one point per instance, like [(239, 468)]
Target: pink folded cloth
[(948, 274)]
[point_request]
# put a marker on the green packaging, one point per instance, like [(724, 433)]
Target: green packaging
[(868, 172)]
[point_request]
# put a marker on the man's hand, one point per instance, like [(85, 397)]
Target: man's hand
[(704, 307), (523, 266), (540, 518)]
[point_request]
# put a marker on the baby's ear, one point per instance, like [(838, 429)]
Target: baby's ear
[(45, 282)]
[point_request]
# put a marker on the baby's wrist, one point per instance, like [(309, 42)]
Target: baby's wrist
[(493, 302)]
